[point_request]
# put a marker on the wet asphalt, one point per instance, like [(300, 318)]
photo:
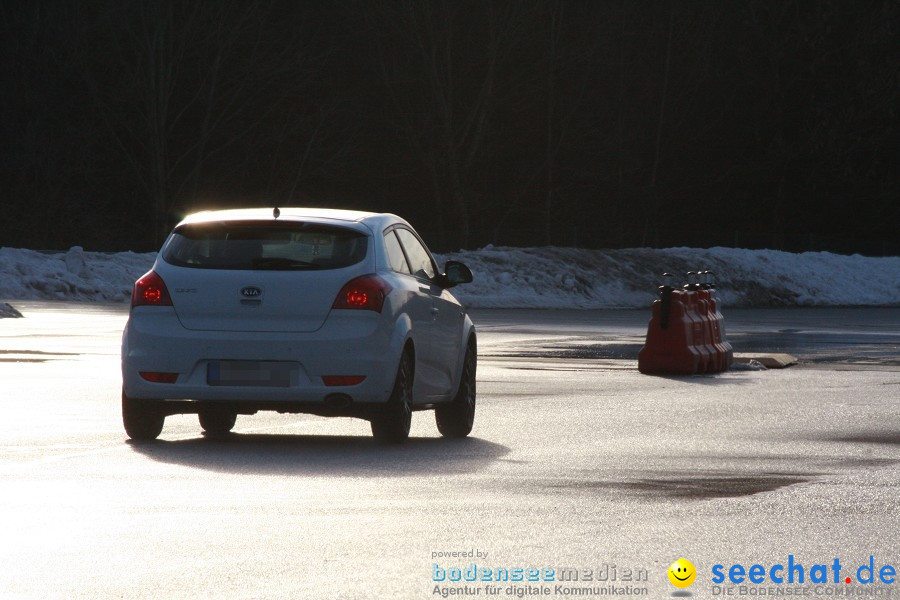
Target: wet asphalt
[(576, 460)]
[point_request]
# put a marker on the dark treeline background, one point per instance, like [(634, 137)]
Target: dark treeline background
[(755, 123)]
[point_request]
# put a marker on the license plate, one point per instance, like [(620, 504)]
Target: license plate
[(250, 373)]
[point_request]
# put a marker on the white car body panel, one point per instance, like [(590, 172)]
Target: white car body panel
[(294, 327), (295, 301)]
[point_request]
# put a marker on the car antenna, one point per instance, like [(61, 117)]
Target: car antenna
[(276, 213)]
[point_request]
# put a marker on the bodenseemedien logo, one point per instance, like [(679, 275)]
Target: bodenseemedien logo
[(607, 579)]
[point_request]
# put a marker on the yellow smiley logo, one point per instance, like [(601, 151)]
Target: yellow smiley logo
[(682, 573)]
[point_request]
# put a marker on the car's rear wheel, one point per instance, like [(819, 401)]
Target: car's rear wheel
[(217, 421), (142, 419), (391, 425), (456, 419)]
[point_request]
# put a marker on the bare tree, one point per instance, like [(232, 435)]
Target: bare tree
[(443, 65), (812, 129), (192, 81)]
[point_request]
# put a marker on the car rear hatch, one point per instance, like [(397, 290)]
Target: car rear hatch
[(264, 276)]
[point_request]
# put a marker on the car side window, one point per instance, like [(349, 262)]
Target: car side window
[(395, 257), (419, 259)]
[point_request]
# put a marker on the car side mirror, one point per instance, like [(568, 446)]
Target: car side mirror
[(455, 273)]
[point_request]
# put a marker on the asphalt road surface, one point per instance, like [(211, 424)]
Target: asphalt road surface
[(576, 461)]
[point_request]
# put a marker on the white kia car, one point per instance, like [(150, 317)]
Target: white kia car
[(297, 310)]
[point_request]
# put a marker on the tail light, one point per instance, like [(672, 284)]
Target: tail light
[(150, 290), (366, 293), (343, 380), (157, 377)]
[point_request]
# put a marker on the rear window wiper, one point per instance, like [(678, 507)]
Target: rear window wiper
[(286, 264)]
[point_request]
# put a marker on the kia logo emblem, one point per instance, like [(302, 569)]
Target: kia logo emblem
[(251, 291)]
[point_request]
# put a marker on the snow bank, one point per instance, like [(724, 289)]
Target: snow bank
[(72, 275), (531, 277), (574, 278)]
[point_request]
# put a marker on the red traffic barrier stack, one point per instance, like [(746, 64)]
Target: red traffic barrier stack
[(708, 284), (686, 333)]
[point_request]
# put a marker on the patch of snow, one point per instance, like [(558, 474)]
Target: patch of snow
[(531, 277), (75, 262), (752, 365)]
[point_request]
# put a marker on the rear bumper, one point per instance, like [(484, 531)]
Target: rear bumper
[(349, 343)]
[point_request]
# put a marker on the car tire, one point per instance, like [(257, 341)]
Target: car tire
[(455, 420), (217, 421), (142, 419), (392, 424)]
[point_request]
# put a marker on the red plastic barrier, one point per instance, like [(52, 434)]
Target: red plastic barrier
[(686, 333), (720, 337), (702, 338), (711, 331), (670, 350)]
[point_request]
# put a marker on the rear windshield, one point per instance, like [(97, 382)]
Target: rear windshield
[(272, 245)]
